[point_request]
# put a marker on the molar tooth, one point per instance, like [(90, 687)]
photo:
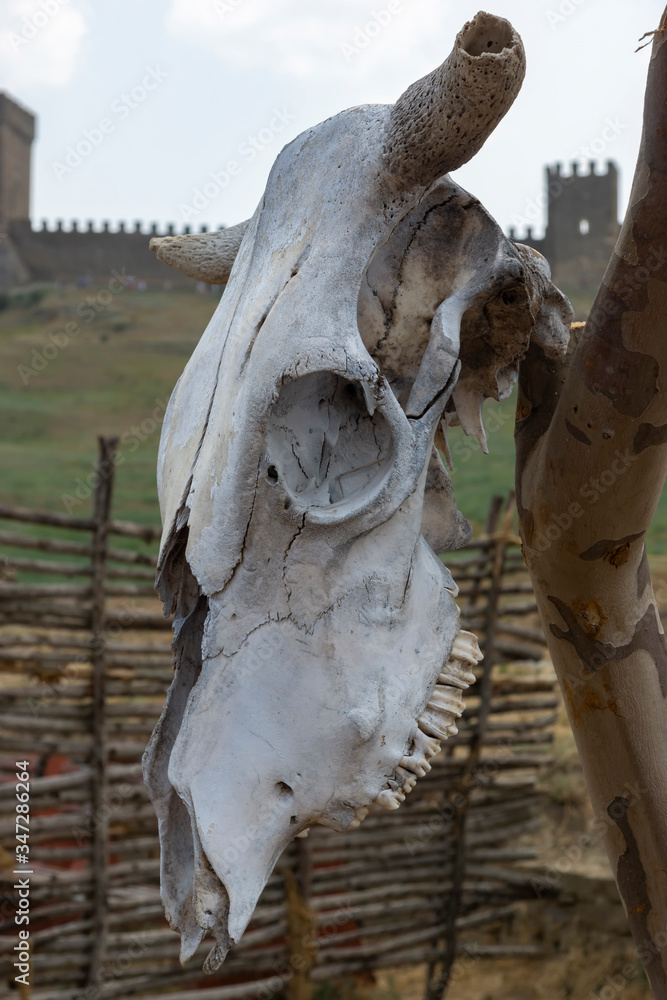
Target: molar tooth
[(466, 648), (431, 727), (447, 700), (215, 958), (427, 725), (387, 799), (361, 812), (425, 744), (455, 678), (417, 764)]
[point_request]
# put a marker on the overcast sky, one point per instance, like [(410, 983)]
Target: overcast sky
[(183, 88)]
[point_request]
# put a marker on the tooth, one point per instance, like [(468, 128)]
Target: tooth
[(215, 958), (442, 443), (466, 648), (452, 680), (353, 825), (426, 745), (432, 727), (388, 799), (303, 834), (361, 812), (418, 765), (468, 403), (446, 700), (191, 938)]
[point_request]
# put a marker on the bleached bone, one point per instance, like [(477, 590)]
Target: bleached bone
[(442, 120), (205, 256), (316, 634)]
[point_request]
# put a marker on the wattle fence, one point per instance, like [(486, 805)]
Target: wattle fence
[(84, 665)]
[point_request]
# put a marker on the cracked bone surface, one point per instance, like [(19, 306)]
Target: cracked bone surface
[(318, 657)]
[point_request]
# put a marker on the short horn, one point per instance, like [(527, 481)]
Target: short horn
[(204, 256), (442, 120)]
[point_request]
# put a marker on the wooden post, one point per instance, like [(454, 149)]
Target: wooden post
[(104, 472), (301, 930), (438, 981)]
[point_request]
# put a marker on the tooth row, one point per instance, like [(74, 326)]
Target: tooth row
[(437, 721)]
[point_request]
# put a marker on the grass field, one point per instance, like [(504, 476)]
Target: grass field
[(111, 371)]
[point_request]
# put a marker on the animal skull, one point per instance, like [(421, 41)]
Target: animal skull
[(370, 301)]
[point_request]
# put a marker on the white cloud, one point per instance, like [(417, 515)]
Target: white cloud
[(331, 40), (39, 42)]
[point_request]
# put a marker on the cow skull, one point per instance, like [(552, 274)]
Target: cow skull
[(370, 302)]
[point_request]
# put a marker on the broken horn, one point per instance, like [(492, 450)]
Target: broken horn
[(204, 256), (442, 120)]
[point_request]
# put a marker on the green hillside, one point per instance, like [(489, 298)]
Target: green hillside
[(111, 371)]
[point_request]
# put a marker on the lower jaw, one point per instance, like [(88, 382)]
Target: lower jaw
[(436, 723)]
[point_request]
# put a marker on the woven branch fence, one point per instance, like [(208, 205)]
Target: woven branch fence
[(85, 662)]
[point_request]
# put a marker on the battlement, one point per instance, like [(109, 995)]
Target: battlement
[(557, 170), (76, 228), (60, 254), (582, 223)]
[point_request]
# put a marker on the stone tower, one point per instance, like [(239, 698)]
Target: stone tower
[(17, 131), (582, 214), (582, 228)]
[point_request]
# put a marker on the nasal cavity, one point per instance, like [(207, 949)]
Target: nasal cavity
[(322, 444)]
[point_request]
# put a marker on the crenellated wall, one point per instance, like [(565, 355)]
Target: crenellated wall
[(582, 225), (67, 255)]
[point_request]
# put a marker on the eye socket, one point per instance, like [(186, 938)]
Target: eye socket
[(322, 443)]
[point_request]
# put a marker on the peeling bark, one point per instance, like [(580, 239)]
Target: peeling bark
[(591, 441)]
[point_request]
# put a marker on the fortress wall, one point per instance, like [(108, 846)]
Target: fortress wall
[(65, 256)]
